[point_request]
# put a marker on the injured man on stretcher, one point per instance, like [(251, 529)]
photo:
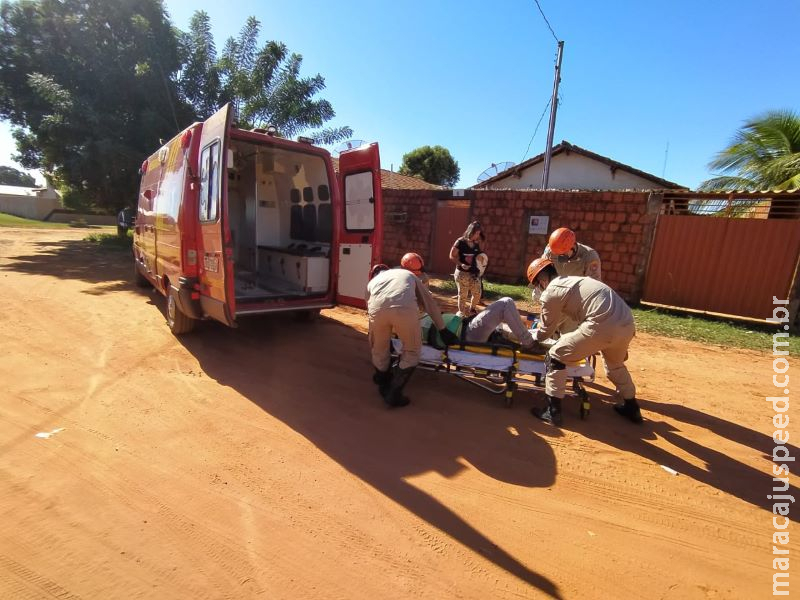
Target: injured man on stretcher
[(499, 320)]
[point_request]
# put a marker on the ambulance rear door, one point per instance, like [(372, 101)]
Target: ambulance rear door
[(217, 295), (360, 232)]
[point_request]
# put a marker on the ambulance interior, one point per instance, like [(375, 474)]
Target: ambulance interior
[(281, 222)]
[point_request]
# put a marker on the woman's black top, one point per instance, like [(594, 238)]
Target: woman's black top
[(466, 255)]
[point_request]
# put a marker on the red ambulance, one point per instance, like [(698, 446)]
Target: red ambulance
[(233, 222)]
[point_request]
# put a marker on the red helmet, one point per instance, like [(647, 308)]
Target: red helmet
[(536, 267), (562, 241), (413, 262), (379, 268)]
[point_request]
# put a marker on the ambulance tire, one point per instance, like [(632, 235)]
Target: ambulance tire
[(139, 280), (306, 316), (178, 322)]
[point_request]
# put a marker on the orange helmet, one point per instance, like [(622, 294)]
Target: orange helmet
[(379, 268), (413, 262), (536, 267), (562, 241)]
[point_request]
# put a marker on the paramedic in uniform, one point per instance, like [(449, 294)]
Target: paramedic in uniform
[(571, 258), (605, 325), (393, 300)]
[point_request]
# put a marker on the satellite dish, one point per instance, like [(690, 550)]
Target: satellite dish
[(349, 145), (494, 169)]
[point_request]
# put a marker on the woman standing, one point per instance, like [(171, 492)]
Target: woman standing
[(464, 253)]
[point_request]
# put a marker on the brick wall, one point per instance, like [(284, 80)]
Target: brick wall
[(619, 225), (417, 207)]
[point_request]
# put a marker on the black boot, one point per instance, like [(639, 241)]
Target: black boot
[(629, 410), (394, 396), (382, 379), (551, 413)]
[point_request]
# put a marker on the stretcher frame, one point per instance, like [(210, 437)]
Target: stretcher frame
[(501, 369)]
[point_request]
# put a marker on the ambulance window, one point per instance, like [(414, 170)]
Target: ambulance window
[(209, 183), (359, 199)]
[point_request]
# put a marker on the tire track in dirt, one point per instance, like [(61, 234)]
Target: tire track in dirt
[(33, 578), (225, 554)]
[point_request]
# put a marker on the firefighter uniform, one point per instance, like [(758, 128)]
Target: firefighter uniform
[(584, 263), (393, 298), (605, 325)]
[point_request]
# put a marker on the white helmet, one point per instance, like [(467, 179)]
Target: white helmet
[(482, 261)]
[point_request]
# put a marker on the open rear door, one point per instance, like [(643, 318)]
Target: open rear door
[(217, 295), (360, 222)]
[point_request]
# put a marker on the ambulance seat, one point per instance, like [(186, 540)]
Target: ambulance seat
[(295, 215), (309, 215), (309, 223), (324, 215)]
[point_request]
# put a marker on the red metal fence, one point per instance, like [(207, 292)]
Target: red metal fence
[(728, 259)]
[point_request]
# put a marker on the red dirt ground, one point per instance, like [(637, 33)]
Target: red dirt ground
[(260, 462)]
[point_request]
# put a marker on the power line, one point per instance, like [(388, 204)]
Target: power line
[(545, 20), (536, 130)]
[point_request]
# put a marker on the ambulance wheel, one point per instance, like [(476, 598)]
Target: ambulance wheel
[(178, 322), (138, 279), (306, 316)]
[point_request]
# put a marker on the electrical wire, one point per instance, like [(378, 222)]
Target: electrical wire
[(546, 21), (546, 106)]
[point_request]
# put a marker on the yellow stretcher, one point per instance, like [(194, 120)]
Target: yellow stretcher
[(500, 369)]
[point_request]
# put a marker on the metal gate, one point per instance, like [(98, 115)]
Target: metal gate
[(452, 218), (732, 266)]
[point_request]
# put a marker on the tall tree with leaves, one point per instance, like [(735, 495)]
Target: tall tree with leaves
[(263, 83), (88, 85), (433, 164), (12, 176), (763, 155)]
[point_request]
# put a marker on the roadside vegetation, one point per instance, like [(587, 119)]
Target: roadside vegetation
[(111, 241), (7, 220), (707, 330)]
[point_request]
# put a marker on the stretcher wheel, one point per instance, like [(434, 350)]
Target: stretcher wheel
[(583, 397), (585, 408), (510, 393)]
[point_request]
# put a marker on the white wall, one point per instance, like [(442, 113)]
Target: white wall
[(574, 171), (28, 206)]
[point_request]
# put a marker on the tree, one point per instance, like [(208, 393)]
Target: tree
[(434, 164), (763, 155), (89, 85), (263, 84), (12, 176)]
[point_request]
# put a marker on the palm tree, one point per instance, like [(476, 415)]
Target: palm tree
[(764, 155)]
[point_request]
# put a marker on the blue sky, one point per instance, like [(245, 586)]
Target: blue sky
[(475, 76)]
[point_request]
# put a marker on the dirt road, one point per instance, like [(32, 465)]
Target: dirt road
[(260, 462)]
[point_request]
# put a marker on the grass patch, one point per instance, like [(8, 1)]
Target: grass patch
[(730, 334), (7, 220), (491, 291), (707, 330), (111, 241)]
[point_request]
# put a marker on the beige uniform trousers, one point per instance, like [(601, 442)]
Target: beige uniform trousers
[(469, 291), (611, 341), (405, 323)]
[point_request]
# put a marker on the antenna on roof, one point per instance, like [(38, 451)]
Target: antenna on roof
[(349, 145), (494, 169)]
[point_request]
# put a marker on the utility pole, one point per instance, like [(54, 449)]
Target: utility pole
[(553, 108)]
